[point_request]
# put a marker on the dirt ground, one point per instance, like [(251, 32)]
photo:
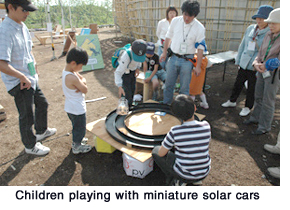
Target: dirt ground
[(238, 157)]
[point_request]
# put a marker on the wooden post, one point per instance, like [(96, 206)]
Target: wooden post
[(71, 36), (94, 28)]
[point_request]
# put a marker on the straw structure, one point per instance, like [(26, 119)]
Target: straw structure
[(225, 20)]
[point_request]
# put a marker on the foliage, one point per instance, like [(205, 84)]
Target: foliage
[(83, 13)]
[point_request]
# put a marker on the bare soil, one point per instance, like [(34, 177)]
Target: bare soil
[(238, 157)]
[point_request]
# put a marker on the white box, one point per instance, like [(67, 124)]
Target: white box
[(136, 168)]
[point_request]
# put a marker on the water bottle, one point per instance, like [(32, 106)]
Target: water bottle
[(123, 107)]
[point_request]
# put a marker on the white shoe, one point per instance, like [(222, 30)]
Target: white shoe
[(204, 105), (47, 133), (38, 149), (272, 148), (229, 104), (274, 172), (245, 111)]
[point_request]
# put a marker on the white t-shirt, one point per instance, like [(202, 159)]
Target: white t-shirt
[(180, 32), (74, 101), (125, 66), (162, 29)]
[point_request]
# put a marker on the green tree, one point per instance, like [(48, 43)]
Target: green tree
[(84, 12)]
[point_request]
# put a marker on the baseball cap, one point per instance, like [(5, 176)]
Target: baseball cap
[(25, 4), (150, 48), (138, 50)]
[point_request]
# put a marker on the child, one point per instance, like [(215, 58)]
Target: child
[(190, 162), (128, 70), (74, 88), (197, 82), (152, 70)]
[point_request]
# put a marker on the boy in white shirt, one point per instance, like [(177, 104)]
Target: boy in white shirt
[(74, 88)]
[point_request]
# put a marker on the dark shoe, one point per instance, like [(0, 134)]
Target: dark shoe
[(258, 132), (249, 122)]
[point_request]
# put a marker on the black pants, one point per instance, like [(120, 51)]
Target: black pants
[(129, 83), (25, 100), (244, 75)]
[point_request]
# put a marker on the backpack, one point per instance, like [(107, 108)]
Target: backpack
[(119, 52)]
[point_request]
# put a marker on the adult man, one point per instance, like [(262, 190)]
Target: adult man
[(185, 34), (19, 74)]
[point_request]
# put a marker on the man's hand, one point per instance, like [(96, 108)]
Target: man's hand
[(24, 83), (197, 71), (163, 56)]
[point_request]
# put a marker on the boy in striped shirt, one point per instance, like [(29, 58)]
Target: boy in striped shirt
[(190, 161)]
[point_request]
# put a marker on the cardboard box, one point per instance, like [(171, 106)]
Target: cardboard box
[(136, 168), (102, 146)]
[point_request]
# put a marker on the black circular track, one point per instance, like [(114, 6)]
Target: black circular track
[(115, 126)]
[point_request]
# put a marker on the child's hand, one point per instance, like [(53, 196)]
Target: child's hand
[(147, 80), (84, 81), (136, 72), (121, 92)]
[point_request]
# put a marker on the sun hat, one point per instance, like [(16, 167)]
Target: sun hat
[(263, 12), (139, 48), (25, 4), (150, 48), (274, 16)]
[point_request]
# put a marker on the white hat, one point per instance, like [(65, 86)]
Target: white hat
[(274, 16)]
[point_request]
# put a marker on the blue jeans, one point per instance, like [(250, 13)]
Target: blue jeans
[(160, 74), (177, 66), (79, 127), (25, 100)]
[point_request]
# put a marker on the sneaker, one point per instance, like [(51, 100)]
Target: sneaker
[(47, 133), (274, 172), (229, 104), (245, 111), (259, 132), (38, 149), (177, 182), (83, 148), (272, 148), (204, 105), (197, 183)]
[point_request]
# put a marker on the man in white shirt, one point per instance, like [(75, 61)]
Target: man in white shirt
[(185, 34)]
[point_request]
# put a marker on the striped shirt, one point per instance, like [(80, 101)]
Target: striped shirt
[(16, 47), (191, 143)]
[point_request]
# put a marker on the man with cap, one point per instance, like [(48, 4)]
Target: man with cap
[(128, 70), (185, 37), (20, 76), (247, 52), (152, 69)]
